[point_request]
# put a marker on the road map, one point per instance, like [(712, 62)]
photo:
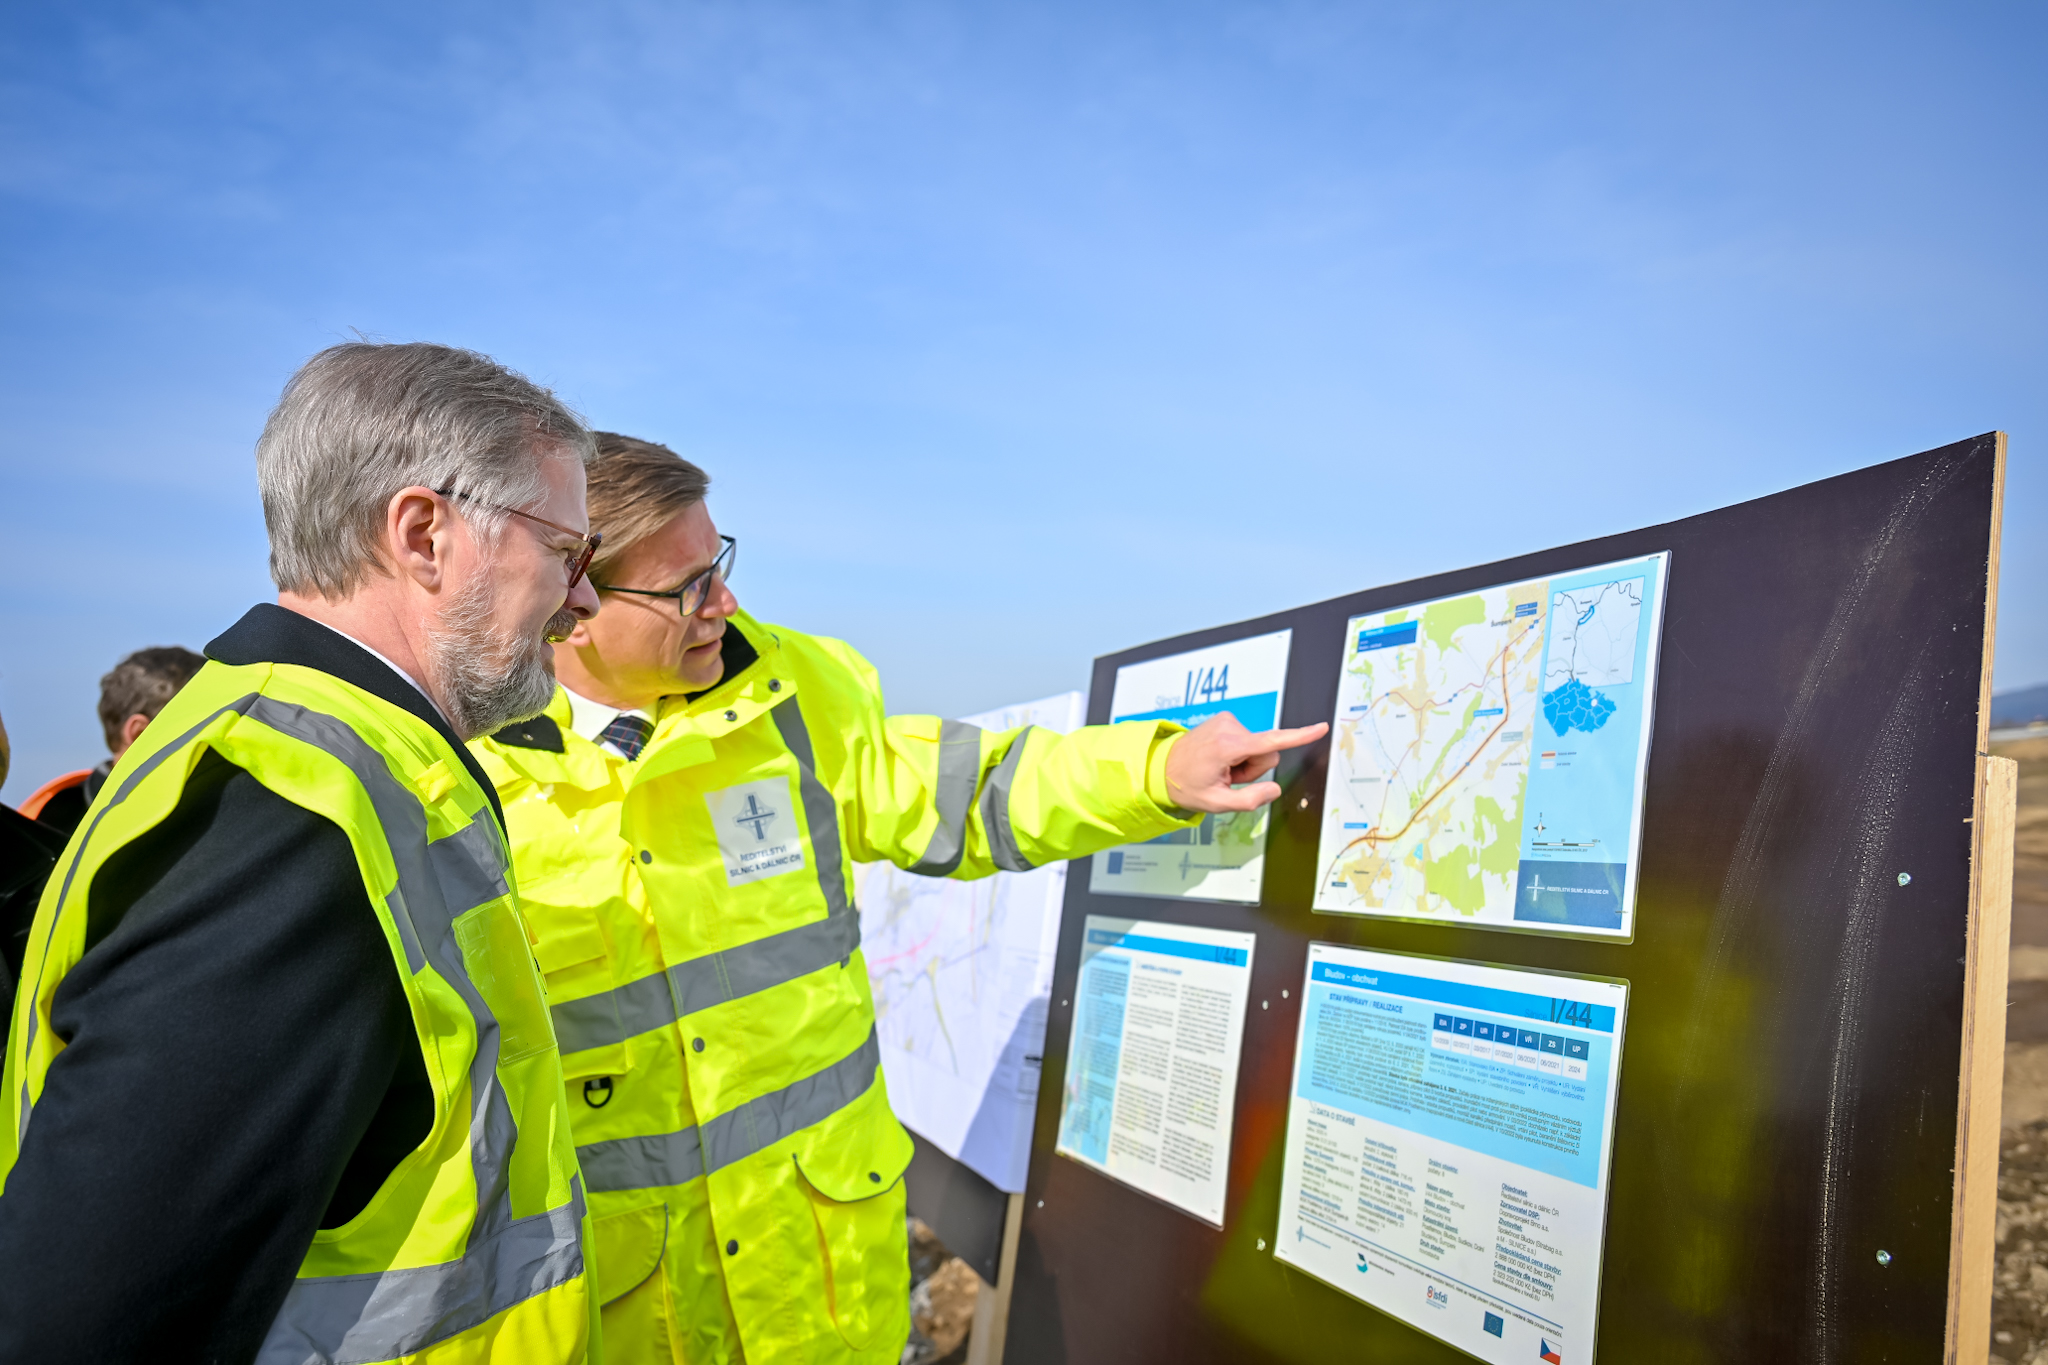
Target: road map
[(961, 972), (1488, 752)]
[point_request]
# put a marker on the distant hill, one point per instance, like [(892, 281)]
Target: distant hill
[(2021, 706)]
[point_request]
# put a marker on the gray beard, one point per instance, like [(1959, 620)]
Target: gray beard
[(486, 675)]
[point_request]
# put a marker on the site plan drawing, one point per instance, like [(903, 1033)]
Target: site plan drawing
[(1488, 752), (1449, 1133), (1224, 857), (1152, 1071), (961, 971)]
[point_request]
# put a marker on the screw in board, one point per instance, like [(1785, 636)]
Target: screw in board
[(1905, 877), (1884, 1258)]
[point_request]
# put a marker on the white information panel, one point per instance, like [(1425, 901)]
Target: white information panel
[(962, 973), (1222, 858), (1448, 1136), (1488, 750), (1152, 1067)]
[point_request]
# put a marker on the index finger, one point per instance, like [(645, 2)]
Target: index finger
[(1273, 741)]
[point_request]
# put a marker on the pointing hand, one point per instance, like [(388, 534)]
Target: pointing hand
[(1206, 763)]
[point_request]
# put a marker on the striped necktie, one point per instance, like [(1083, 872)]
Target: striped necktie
[(627, 733)]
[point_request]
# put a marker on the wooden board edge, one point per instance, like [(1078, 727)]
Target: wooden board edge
[(1973, 1250), (1991, 589), (992, 1304)]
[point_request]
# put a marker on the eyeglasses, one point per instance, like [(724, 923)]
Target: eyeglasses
[(690, 597), (579, 560)]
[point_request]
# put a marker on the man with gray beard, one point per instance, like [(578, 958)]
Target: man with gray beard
[(280, 1082)]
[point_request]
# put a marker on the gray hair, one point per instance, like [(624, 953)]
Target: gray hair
[(361, 420)]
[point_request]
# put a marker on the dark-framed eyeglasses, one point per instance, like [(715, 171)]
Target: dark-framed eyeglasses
[(691, 596), (579, 560)]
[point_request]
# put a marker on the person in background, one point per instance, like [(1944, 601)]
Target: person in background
[(280, 1083), (28, 851), (130, 698), (683, 818)]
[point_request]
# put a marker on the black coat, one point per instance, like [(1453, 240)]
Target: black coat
[(240, 1067)]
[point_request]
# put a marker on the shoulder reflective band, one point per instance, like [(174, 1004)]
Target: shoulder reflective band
[(952, 794), (995, 808), (821, 812), (638, 1163), (663, 997), (128, 785)]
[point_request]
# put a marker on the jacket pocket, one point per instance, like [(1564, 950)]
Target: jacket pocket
[(494, 949), (629, 1246), (850, 1169)]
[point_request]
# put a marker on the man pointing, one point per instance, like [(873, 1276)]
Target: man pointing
[(683, 819)]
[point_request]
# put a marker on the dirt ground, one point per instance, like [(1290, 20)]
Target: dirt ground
[(2019, 1305), (942, 1293)]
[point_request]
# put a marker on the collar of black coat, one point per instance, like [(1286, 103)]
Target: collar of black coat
[(539, 732), (269, 634)]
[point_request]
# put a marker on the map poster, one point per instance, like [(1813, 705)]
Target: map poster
[(1152, 1070), (1448, 1138), (961, 972), (1488, 752), (1222, 858)]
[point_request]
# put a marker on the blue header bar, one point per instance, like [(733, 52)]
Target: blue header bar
[(1169, 947), (1386, 637), (1550, 1009)]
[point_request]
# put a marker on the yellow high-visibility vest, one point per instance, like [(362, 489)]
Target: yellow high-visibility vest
[(473, 1249), (694, 919)]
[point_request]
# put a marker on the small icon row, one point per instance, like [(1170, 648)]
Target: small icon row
[(1507, 1035)]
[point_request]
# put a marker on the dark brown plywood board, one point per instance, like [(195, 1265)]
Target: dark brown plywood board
[(1790, 1074)]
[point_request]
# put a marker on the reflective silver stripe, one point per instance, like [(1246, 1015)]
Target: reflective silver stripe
[(674, 1158), (355, 1319), (821, 812), (739, 1133), (613, 1016), (340, 1319), (702, 982), (995, 809), (642, 1163), (765, 963), (239, 705), (953, 795)]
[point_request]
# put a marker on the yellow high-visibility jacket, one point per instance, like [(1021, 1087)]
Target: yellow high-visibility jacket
[(694, 920), (473, 1249)]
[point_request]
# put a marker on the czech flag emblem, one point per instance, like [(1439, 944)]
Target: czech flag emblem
[(1548, 1355)]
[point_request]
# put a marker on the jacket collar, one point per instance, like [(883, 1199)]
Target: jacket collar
[(269, 634), (736, 654)]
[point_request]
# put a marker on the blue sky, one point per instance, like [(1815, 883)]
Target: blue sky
[(1012, 335)]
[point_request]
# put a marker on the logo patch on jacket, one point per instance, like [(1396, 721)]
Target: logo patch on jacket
[(757, 830)]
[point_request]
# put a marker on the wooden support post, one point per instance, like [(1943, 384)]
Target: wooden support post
[(992, 1304), (1972, 1256)]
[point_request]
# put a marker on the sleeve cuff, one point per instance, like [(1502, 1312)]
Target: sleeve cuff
[(1155, 770)]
